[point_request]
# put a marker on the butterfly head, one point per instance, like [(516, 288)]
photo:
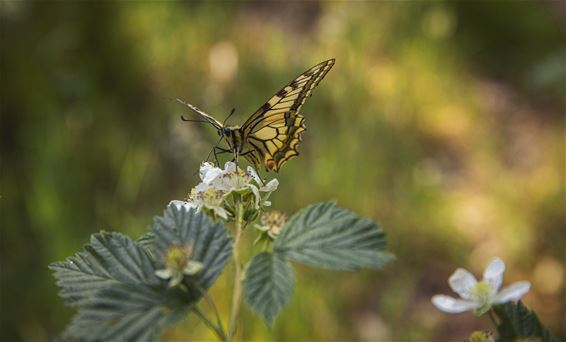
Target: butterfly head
[(224, 132), (233, 136)]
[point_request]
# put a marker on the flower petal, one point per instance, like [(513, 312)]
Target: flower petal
[(229, 167), (200, 187), (182, 204), (204, 168), (257, 196), (164, 273), (193, 267), (493, 273), (222, 184), (462, 282), (261, 228), (271, 185), (512, 293), (209, 173), (176, 279), (221, 212), (452, 305), (254, 175)]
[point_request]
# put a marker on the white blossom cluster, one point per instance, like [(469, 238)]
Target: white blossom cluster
[(215, 194)]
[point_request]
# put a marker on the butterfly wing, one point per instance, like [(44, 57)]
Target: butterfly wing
[(272, 134), (202, 114)]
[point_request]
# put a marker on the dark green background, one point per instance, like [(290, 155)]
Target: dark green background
[(444, 121)]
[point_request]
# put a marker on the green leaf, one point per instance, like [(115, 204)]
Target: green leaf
[(518, 322), (146, 240), (268, 284), (109, 259), (128, 312), (208, 239), (322, 235), (112, 281)]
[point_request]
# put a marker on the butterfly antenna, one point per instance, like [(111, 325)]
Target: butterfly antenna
[(228, 117)]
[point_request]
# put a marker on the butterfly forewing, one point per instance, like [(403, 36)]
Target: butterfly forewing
[(273, 132)]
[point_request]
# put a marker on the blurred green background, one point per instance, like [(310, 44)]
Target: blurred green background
[(443, 121)]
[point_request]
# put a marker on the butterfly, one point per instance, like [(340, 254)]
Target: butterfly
[(271, 135)]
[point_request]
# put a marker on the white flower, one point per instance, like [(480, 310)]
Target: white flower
[(208, 197), (230, 179), (480, 296), (204, 196), (217, 186), (178, 264)]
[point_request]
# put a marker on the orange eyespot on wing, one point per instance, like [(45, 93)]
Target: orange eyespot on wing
[(271, 165)]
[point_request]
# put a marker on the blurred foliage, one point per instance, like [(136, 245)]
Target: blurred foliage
[(444, 121)]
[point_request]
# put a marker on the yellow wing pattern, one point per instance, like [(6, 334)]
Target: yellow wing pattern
[(272, 134)]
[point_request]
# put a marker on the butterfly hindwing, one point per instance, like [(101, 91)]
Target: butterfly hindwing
[(273, 132), (277, 141)]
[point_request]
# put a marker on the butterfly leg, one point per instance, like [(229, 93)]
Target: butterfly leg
[(260, 178), (216, 156), (236, 155), (214, 149), (218, 150)]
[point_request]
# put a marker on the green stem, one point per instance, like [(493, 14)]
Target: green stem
[(237, 292), (218, 319), (491, 314), (218, 331), (212, 305)]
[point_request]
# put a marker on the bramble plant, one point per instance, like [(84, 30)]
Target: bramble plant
[(128, 289)]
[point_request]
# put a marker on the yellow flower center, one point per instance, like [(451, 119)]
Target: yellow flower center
[(482, 294), (209, 196), (176, 258), (274, 220), (238, 178), (481, 336)]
